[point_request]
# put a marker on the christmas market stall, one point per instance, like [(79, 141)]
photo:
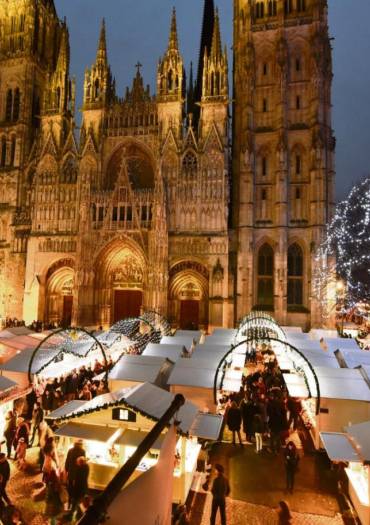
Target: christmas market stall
[(132, 370), (352, 447), (171, 352), (112, 426)]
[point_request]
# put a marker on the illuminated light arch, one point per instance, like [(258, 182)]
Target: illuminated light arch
[(311, 382), (65, 338), (263, 322)]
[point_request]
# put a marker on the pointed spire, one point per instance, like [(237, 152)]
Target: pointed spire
[(173, 43), (101, 56), (216, 51), (206, 42)]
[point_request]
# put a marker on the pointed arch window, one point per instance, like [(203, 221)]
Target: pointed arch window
[(3, 151), (295, 276), (272, 8), (96, 89), (9, 105), (288, 6), (190, 165), (170, 80), (12, 150), (16, 105), (301, 6), (265, 279), (264, 166), (260, 10), (298, 164)]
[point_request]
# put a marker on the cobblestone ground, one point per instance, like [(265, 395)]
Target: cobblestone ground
[(21, 486), (241, 513)]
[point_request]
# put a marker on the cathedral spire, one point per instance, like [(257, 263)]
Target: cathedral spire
[(205, 42), (101, 56), (216, 50), (173, 42)]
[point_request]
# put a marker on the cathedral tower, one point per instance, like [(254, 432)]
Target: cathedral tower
[(283, 153)]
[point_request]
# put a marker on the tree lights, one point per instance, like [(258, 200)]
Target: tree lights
[(343, 259)]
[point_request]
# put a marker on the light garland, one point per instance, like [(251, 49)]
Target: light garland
[(345, 252)]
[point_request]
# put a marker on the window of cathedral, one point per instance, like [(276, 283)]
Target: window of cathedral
[(96, 89), (295, 276), (190, 165), (260, 9), (16, 105), (264, 166), (288, 6), (9, 105), (265, 285), (298, 102), (3, 151), (298, 64), (298, 164), (264, 105), (297, 193), (301, 6), (265, 69), (12, 150), (272, 8)]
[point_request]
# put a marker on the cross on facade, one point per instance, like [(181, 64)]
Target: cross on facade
[(138, 66)]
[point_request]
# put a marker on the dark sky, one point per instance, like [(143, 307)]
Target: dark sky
[(137, 30)]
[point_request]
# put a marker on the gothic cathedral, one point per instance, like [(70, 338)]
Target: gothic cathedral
[(198, 202)]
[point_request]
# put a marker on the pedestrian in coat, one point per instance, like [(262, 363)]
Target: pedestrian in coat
[(37, 418), (10, 430), (258, 431), (79, 486), (70, 465), (291, 464), (22, 432), (234, 421), (284, 514), (4, 477), (220, 489), (54, 505)]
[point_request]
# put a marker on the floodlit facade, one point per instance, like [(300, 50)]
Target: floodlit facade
[(149, 206)]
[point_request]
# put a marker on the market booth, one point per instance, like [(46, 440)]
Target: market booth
[(113, 425), (344, 399), (132, 370), (171, 352), (353, 448), (194, 378)]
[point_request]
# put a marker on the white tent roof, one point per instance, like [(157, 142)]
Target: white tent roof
[(178, 340), (206, 426), (141, 368), (66, 410), (292, 329), (353, 358), (15, 331), (88, 432), (225, 332), (360, 433), (6, 384), (338, 447), (338, 373), (20, 362), (340, 388), (296, 385), (196, 376), (340, 343), (318, 333), (171, 352), (193, 334)]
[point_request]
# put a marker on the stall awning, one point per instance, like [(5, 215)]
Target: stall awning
[(339, 447), (296, 386), (194, 334), (87, 432), (6, 384), (66, 410), (360, 434), (207, 426), (171, 352), (133, 438), (186, 341)]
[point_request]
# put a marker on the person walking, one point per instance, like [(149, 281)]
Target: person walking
[(22, 432), (37, 418), (4, 477), (220, 489), (54, 505), (79, 486), (284, 514), (10, 430), (291, 464), (234, 421), (258, 431), (70, 465)]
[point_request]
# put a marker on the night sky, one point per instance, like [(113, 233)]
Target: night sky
[(137, 30)]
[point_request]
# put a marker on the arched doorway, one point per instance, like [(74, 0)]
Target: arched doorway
[(188, 295), (59, 293), (119, 282)]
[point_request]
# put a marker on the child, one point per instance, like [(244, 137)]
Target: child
[(21, 454)]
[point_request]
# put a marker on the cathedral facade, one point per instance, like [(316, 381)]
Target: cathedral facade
[(164, 201)]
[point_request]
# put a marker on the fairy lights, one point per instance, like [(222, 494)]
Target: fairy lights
[(345, 252)]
